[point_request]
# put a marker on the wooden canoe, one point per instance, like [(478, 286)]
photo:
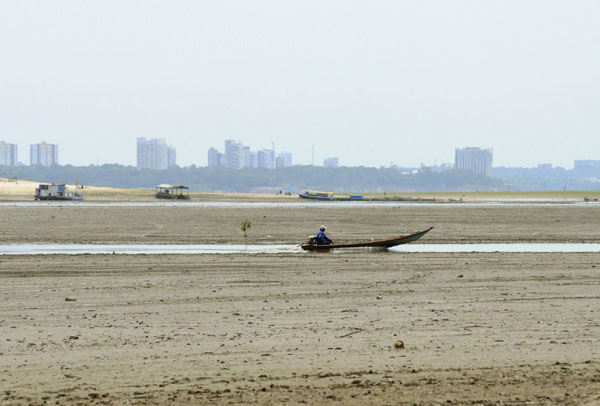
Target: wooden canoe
[(390, 242)]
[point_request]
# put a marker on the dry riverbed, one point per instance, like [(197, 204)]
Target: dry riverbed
[(315, 328), (299, 328), (288, 225)]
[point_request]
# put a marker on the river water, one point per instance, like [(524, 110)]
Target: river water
[(141, 249)]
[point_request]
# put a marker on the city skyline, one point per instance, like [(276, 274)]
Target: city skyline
[(172, 160), (42, 153), (395, 82), (154, 153), (319, 157), (236, 155)]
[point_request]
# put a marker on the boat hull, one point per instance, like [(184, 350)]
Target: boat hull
[(305, 195), (390, 242), (332, 198), (58, 197), (172, 197)]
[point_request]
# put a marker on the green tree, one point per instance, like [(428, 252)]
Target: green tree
[(245, 226)]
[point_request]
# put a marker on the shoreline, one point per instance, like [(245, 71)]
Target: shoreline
[(22, 190)]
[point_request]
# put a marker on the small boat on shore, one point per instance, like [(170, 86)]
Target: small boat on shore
[(387, 243), (316, 195), (330, 197)]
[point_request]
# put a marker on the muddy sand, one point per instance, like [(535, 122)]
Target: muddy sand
[(299, 328), (286, 225)]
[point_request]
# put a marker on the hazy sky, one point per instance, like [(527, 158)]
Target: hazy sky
[(372, 82)]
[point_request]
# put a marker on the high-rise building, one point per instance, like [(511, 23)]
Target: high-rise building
[(253, 159), (286, 158), (279, 162), (215, 158), (333, 162), (144, 153), (234, 154), (160, 154), (266, 159), (43, 154), (269, 158), (171, 157), (247, 157), (238, 156), (477, 160), (155, 154), (8, 154)]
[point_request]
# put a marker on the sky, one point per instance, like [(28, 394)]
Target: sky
[(371, 82)]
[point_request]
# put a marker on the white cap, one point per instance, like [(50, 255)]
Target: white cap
[(323, 227)]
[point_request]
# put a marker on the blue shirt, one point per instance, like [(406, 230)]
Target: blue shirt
[(322, 238)]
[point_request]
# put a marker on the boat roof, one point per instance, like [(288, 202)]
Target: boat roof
[(167, 186)]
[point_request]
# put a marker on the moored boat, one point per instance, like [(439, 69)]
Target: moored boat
[(387, 243), (172, 192), (55, 192), (315, 195), (353, 197)]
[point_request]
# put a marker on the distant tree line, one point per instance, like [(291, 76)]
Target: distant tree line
[(549, 178), (204, 179)]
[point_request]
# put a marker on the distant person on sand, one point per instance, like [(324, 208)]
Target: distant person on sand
[(321, 238)]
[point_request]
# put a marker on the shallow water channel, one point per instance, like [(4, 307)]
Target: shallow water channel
[(149, 249)]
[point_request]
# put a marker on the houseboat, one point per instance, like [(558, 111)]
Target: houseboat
[(55, 192), (172, 192)]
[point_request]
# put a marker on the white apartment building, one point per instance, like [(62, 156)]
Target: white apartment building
[(8, 154), (253, 159), (154, 153), (43, 154), (238, 155), (171, 157), (286, 158), (215, 158), (266, 159), (477, 160), (234, 157), (246, 157)]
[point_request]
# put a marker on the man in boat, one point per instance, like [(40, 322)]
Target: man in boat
[(321, 238)]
